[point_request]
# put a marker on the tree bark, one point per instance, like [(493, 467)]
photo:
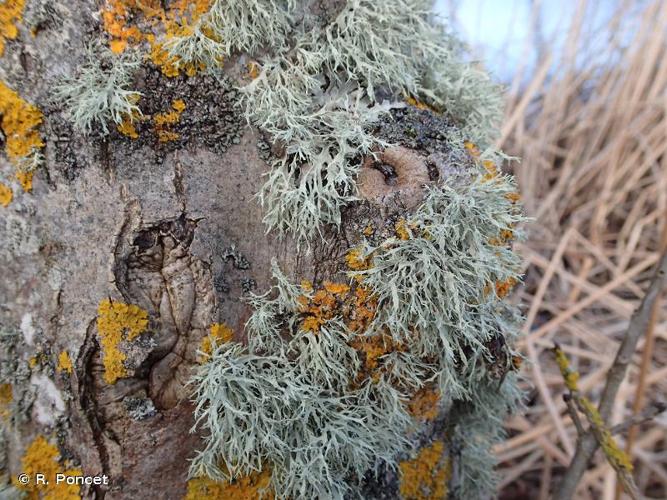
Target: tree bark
[(174, 228)]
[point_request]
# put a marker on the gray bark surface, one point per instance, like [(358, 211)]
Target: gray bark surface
[(175, 229)]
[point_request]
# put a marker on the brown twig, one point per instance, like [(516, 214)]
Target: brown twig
[(588, 443), (616, 457), (619, 461), (647, 414), (572, 410), (647, 355)]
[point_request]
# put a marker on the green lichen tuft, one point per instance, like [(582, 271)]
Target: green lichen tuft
[(335, 378), (100, 93), (321, 87)]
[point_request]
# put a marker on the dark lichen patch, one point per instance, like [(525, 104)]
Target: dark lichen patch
[(238, 259), (248, 285), (208, 115), (139, 408), (416, 128)]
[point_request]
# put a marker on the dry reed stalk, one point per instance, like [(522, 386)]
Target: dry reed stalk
[(593, 143)]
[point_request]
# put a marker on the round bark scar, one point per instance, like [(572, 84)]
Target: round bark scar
[(402, 174)]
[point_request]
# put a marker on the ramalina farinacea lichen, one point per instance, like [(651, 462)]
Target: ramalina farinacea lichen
[(99, 92), (319, 88), (336, 379)]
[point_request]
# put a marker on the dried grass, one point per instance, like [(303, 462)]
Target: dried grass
[(593, 140)]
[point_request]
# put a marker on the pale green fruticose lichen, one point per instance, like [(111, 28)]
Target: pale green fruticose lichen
[(320, 88), (292, 399), (99, 93)]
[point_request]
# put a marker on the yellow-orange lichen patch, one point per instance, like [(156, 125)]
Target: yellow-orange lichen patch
[(116, 322), (64, 363), (426, 476), (11, 13), (358, 316), (25, 179), (401, 228), (504, 287), (42, 457), (5, 399), (131, 22), (127, 128), (505, 236), (417, 103), (6, 195), (164, 121), (322, 305), (356, 261), (472, 149), (161, 58), (360, 309), (373, 347), (513, 197), (253, 70), (570, 376), (220, 333), (20, 123), (252, 487), (491, 171), (424, 404)]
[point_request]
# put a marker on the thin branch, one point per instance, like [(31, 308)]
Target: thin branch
[(588, 444), (572, 410), (615, 456), (647, 414)]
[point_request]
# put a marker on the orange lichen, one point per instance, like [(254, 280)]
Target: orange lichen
[(356, 260), (127, 128), (115, 17), (424, 403), (504, 287), (164, 121), (161, 58), (131, 22), (20, 122), (322, 305), (11, 13), (220, 333), (417, 103), (6, 195), (361, 309), (253, 70), (64, 363), (513, 197), (25, 179), (373, 347), (426, 476), (368, 231), (41, 457), (505, 236), (6, 398), (491, 171), (252, 487), (472, 149), (401, 228), (116, 322), (336, 288)]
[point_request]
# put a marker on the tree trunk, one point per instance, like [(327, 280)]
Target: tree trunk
[(167, 222)]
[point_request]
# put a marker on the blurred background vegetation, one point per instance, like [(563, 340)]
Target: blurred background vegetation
[(586, 113)]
